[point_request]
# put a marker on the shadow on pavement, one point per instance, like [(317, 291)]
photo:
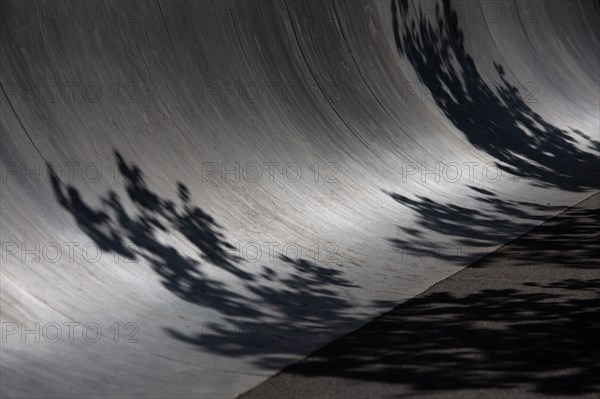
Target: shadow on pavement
[(524, 321)]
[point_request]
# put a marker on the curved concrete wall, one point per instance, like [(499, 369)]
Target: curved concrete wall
[(196, 193)]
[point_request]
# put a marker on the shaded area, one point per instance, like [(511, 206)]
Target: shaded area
[(523, 322), (469, 231), (300, 295), (113, 229), (315, 316), (494, 117)]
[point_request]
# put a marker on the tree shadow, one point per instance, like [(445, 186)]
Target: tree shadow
[(498, 339), (472, 229), (541, 335), (495, 118), (316, 314), (300, 293), (491, 326), (134, 236), (468, 231), (574, 232)]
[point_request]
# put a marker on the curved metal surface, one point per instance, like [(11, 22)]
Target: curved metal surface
[(219, 188)]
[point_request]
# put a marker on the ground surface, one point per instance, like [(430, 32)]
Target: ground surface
[(521, 323)]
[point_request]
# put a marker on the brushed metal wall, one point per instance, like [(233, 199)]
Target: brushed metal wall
[(198, 193)]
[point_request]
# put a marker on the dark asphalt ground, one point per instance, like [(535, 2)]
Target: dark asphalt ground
[(524, 322)]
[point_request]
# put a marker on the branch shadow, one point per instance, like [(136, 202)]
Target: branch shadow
[(509, 322), (495, 118), (467, 231), (536, 335), (496, 338), (301, 294)]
